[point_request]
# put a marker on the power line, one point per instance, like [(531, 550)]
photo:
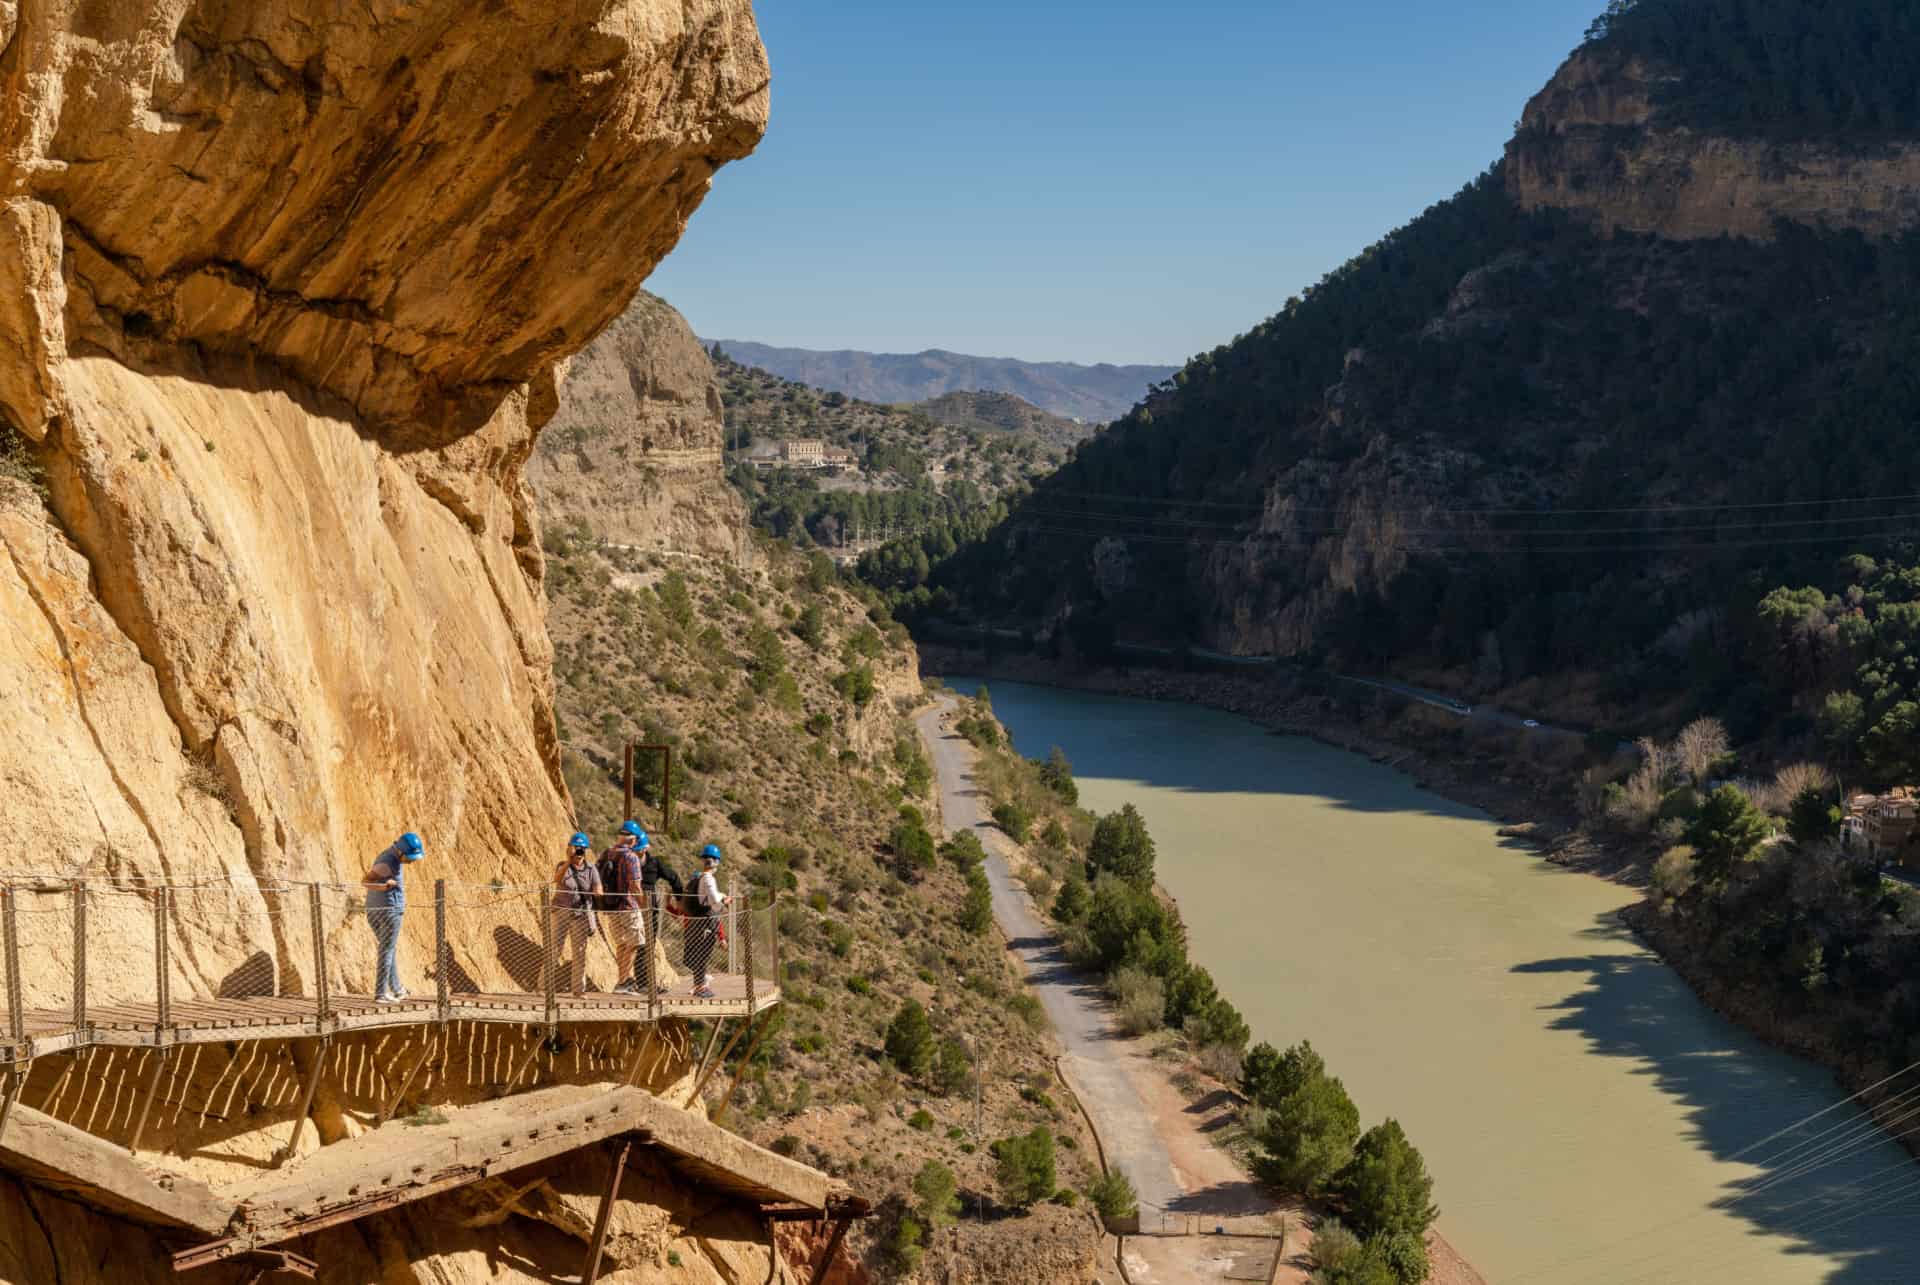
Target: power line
[(1374, 547), (1178, 502), (1750, 524)]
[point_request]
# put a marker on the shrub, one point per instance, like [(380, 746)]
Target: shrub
[(912, 846), (1404, 1254), (819, 724), (1028, 1010), (1013, 819), (976, 910), (1339, 1258), (856, 685), (910, 1039), (859, 985), (1071, 904), (1218, 1026), (1673, 874), (840, 940), (1385, 1185), (964, 850), (921, 1121), (1121, 846), (1112, 1194), (1025, 1167), (1140, 997), (938, 1192), (811, 628), (1066, 1197), (905, 1244)]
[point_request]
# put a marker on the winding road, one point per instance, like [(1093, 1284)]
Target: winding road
[(1072, 999)]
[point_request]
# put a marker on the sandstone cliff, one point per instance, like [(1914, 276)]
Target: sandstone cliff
[(284, 291), (1594, 142)]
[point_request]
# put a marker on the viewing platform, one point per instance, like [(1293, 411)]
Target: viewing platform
[(92, 963)]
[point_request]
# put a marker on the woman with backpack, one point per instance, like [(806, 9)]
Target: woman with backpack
[(703, 930), (576, 890)]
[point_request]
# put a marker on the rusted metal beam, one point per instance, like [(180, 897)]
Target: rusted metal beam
[(832, 1251), (605, 1216), (285, 1153), (393, 1100), (700, 1075), (746, 1060)]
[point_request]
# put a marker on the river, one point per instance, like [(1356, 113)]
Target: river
[(1585, 1118)]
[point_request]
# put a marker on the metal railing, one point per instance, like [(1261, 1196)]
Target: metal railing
[(127, 962)]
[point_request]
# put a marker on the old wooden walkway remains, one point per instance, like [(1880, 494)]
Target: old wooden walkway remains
[(386, 1169)]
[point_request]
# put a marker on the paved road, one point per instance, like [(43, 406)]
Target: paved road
[(1072, 999)]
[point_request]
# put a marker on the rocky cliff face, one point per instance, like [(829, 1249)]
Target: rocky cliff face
[(1595, 143), (634, 447), (284, 291)]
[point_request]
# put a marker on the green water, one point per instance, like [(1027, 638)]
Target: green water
[(1581, 1112)]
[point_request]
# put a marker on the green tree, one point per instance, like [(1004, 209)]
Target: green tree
[(1122, 847), (1310, 1129), (819, 571), (1126, 923), (906, 1243), (964, 850), (1842, 718), (910, 1039), (1056, 773), (1012, 819), (1385, 1185), (766, 659), (1024, 1166), (812, 625), (1811, 818), (1260, 1075), (1340, 1258), (937, 1190), (1891, 746), (912, 845), (1724, 833), (675, 598)]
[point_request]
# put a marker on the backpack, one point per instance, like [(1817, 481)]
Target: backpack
[(613, 880)]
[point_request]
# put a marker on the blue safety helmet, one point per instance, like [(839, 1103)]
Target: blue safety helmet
[(711, 853), (579, 841), (640, 839), (411, 847)]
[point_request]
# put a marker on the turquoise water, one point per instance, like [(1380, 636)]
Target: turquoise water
[(1585, 1118)]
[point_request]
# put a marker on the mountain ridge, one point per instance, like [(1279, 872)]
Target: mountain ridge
[(1095, 393)]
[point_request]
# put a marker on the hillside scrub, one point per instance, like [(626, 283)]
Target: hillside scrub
[(669, 653)]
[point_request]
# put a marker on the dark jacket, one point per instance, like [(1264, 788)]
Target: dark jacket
[(653, 870)]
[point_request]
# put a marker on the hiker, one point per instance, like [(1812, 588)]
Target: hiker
[(703, 929), (386, 885), (624, 901), (578, 887)]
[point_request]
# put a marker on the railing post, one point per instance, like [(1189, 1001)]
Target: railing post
[(748, 944), (650, 925), (732, 921), (79, 957), (162, 991), (441, 954), (773, 930), (548, 965), (321, 1006), (16, 1012)]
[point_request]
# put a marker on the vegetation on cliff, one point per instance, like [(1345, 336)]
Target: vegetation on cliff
[(1778, 69)]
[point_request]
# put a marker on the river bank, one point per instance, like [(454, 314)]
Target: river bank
[(1533, 811), (1154, 1120)]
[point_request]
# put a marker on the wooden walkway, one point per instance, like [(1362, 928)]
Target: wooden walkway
[(213, 1021)]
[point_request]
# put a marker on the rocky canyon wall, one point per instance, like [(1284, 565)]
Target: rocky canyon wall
[(285, 291), (1595, 142)]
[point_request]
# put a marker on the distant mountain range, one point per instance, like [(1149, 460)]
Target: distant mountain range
[(1092, 393)]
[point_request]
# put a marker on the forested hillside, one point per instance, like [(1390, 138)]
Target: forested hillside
[(1499, 444)]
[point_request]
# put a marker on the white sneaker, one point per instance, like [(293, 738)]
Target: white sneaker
[(402, 993), (626, 988), (386, 999)]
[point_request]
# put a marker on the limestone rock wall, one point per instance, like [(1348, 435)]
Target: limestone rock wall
[(1593, 143), (285, 290), (634, 449)]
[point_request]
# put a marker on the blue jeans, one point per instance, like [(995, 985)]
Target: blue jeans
[(385, 922)]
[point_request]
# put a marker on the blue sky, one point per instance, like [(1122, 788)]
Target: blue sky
[(1092, 180)]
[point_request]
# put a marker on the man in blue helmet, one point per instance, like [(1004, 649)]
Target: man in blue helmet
[(623, 899), (577, 890), (386, 885), (703, 928)]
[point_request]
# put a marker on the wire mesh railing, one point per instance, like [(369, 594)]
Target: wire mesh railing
[(136, 962)]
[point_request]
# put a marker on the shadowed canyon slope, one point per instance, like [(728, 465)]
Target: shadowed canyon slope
[(285, 292)]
